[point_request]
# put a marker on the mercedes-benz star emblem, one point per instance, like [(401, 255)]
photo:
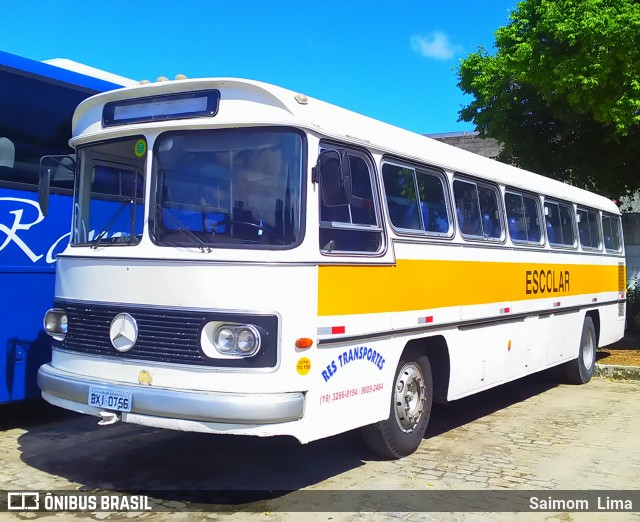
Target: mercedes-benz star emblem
[(123, 332)]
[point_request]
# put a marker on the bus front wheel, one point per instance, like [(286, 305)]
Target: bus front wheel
[(411, 400), (580, 370)]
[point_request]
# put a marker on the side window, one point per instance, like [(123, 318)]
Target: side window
[(401, 196), (611, 227), (416, 199), (588, 229), (477, 210), (433, 202), (362, 209), (523, 218), (349, 221), (35, 122), (566, 224), (559, 224)]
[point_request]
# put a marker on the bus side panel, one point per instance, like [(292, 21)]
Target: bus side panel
[(564, 341), (612, 323), (351, 386), (28, 241), (23, 344), (480, 357)]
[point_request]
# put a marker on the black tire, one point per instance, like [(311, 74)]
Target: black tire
[(580, 370), (401, 434)]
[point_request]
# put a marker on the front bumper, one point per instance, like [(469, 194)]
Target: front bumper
[(215, 407)]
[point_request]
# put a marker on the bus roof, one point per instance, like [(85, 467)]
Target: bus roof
[(65, 72), (273, 105)]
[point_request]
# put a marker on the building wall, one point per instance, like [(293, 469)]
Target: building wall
[(469, 140)]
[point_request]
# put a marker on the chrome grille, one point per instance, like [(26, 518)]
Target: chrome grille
[(164, 335)]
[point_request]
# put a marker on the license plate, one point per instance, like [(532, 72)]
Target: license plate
[(109, 398)]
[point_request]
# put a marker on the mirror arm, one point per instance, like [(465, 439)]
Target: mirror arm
[(43, 189)]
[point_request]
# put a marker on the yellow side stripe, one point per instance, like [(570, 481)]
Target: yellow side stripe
[(423, 285)]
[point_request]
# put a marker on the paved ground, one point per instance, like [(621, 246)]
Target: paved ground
[(531, 435)]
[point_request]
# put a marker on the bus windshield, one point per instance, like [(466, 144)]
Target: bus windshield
[(227, 188)]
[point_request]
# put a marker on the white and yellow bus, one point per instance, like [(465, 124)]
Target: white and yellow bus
[(276, 265)]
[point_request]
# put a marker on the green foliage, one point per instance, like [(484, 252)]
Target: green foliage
[(562, 91), (633, 300)]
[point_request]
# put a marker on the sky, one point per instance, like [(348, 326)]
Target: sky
[(392, 60)]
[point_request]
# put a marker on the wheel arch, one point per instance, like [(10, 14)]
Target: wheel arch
[(437, 350), (595, 318)]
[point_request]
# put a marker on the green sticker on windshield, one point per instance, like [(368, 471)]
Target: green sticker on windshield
[(141, 148)]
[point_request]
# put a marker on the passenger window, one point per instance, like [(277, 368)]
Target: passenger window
[(566, 224), (588, 229), (477, 210), (416, 199), (402, 200), (611, 231), (559, 224), (433, 202), (362, 210), (353, 225), (523, 218)]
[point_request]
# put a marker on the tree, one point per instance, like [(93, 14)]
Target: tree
[(562, 91)]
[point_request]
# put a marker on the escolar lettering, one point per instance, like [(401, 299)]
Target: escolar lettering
[(547, 281)]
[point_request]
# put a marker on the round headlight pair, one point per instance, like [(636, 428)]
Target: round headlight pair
[(238, 339), (56, 323)]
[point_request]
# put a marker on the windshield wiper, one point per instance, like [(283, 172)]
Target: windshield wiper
[(126, 202), (182, 228)]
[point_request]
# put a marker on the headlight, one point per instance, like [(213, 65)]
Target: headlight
[(247, 340), (229, 340), (225, 340), (56, 323)]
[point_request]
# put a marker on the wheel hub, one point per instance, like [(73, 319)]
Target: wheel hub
[(409, 397), (588, 349)]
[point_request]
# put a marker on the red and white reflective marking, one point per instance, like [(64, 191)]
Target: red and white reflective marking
[(594, 300), (556, 304), (425, 320), (505, 310), (331, 330)]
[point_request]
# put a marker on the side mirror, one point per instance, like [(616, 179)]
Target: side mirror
[(333, 172), (43, 187), (54, 168)]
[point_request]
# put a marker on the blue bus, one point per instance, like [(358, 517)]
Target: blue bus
[(37, 101)]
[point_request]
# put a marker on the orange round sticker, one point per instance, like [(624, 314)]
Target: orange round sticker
[(303, 366)]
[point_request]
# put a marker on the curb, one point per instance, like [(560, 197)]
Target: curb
[(611, 371)]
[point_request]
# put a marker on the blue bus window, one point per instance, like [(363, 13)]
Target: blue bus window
[(36, 109)]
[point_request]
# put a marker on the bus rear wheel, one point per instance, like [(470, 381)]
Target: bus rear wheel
[(410, 409), (580, 370)]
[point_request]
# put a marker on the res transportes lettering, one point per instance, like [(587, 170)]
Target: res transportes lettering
[(360, 353)]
